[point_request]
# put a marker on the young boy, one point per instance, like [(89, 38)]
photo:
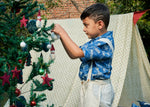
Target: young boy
[(95, 55)]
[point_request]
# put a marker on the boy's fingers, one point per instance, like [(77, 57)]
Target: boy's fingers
[(52, 30)]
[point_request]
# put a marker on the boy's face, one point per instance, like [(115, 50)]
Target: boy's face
[(91, 28)]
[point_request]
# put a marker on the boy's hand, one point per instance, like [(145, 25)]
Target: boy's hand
[(58, 30), (71, 48)]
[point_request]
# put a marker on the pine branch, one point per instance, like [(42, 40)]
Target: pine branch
[(14, 55), (33, 73), (40, 87)]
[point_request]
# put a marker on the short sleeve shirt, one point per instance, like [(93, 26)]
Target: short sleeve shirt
[(100, 53)]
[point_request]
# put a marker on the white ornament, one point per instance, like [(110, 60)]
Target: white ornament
[(38, 24), (39, 17), (49, 46), (52, 56), (52, 52), (22, 44), (54, 36)]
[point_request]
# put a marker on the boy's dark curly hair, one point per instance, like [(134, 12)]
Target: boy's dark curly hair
[(97, 12)]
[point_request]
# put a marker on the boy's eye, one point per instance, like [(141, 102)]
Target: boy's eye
[(85, 25)]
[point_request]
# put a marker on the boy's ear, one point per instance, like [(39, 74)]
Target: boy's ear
[(100, 24)]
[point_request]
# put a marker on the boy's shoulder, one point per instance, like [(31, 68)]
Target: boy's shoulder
[(108, 35)]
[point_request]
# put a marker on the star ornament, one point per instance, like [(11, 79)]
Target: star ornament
[(46, 80), (23, 22), (16, 73), (5, 79)]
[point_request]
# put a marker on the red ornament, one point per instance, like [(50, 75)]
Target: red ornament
[(46, 80), (23, 22), (16, 73), (17, 92), (20, 61), (52, 49), (33, 103), (5, 79), (13, 105)]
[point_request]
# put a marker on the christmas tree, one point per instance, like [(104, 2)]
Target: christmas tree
[(20, 32)]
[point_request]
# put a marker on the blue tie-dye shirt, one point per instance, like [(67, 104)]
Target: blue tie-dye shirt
[(101, 54)]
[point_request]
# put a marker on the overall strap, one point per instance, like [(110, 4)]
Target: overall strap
[(107, 41), (90, 72)]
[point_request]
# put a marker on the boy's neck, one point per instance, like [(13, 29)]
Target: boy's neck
[(102, 32)]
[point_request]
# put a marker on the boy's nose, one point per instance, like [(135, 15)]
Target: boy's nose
[(84, 29)]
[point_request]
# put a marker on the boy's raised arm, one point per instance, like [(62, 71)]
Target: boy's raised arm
[(71, 48)]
